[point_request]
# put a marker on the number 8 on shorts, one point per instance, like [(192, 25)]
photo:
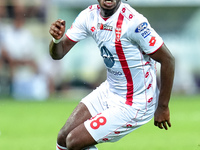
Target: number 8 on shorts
[(95, 124)]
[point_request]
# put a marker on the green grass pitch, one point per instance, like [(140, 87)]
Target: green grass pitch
[(34, 126)]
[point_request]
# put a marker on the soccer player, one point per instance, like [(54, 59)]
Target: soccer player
[(129, 97)]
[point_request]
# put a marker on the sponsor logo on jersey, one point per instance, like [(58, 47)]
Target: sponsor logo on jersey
[(101, 26), (141, 27), (107, 57), (152, 42), (150, 100), (146, 33), (92, 29), (116, 73)]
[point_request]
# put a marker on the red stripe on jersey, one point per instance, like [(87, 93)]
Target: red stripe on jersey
[(122, 59)]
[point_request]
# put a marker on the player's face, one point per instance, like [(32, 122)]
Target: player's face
[(108, 7)]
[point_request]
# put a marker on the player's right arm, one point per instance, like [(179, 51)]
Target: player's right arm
[(59, 50)]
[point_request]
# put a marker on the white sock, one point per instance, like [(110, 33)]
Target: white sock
[(91, 148), (58, 147)]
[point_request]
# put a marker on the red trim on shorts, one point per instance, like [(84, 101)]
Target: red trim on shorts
[(122, 59), (70, 38), (157, 49)]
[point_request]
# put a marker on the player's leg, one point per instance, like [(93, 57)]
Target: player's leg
[(74, 125), (78, 116), (79, 138)]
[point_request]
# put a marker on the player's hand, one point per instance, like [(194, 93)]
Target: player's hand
[(57, 29), (162, 118)]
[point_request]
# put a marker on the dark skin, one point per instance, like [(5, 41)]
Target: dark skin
[(74, 135), (167, 61), (107, 9)]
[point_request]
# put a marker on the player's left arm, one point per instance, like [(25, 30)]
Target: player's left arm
[(167, 61)]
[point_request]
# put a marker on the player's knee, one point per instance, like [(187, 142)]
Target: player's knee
[(72, 142), (61, 139)]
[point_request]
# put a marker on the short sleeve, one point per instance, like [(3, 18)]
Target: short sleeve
[(78, 30), (144, 35)]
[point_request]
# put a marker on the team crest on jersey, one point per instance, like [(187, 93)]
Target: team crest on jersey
[(102, 26), (118, 32)]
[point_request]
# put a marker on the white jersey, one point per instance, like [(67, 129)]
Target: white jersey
[(125, 40)]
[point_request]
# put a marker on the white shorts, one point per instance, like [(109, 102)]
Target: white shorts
[(112, 119)]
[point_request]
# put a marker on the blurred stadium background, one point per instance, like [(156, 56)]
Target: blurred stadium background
[(177, 21)]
